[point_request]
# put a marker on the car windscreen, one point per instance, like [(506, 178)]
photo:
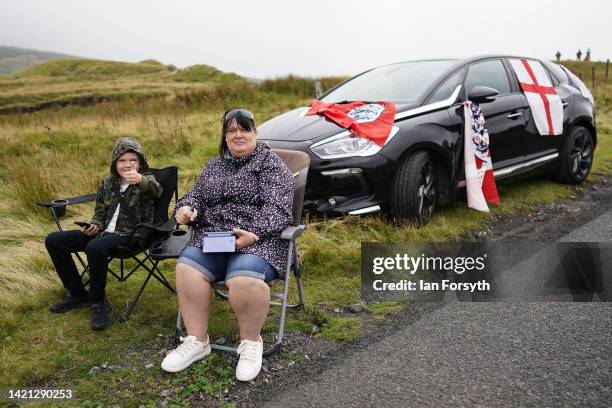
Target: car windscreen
[(399, 83)]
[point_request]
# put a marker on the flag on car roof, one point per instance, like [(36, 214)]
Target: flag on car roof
[(545, 104), (479, 178), (372, 121)]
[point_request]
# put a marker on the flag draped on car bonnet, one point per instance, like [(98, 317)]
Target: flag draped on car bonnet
[(479, 179), (372, 121), (544, 102)]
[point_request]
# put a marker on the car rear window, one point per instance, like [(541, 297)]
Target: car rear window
[(557, 72), (400, 83)]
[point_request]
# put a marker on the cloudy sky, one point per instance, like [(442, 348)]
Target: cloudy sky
[(317, 37)]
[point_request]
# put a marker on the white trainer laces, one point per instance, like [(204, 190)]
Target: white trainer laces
[(189, 343), (248, 350)]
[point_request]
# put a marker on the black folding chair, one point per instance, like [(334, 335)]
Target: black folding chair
[(298, 163), (142, 238)]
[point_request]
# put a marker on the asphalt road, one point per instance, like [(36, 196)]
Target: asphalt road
[(515, 353)]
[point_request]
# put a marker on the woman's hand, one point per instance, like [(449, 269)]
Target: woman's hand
[(244, 238), (92, 230), (185, 215)]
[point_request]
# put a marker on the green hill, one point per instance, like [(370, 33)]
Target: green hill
[(205, 73), (92, 70), (14, 59), (87, 81)]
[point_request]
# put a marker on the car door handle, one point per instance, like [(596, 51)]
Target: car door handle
[(565, 104), (514, 115)]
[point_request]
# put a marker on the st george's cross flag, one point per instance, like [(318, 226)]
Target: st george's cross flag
[(545, 104), (372, 121), (479, 179)]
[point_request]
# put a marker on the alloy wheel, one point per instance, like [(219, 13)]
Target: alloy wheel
[(581, 155), (427, 192)]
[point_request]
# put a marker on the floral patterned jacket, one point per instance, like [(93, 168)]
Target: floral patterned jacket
[(254, 193)]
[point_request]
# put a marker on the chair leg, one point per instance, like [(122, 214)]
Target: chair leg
[(221, 295), (298, 278), (85, 268), (114, 311), (178, 333), (119, 278), (139, 263), (127, 315), (281, 324), (157, 274)]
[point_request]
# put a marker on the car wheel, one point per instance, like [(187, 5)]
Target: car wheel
[(576, 157), (413, 195)]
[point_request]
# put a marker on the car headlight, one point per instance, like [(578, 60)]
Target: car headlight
[(344, 145)]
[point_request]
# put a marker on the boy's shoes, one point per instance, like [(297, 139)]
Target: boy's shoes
[(190, 351), (249, 365), (99, 318), (68, 303)]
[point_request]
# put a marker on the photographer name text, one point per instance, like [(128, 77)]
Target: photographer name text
[(409, 285)]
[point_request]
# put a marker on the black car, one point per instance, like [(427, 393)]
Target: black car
[(421, 164)]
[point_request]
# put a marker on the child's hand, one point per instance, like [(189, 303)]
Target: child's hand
[(132, 177), (92, 230)]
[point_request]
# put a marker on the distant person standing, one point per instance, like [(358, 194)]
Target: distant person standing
[(558, 55), (588, 55), (579, 55)]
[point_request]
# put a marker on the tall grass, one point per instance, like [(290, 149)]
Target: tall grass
[(304, 87)]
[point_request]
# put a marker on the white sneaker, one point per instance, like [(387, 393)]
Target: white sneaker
[(249, 365), (190, 351)]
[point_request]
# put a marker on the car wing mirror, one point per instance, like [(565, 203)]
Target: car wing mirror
[(482, 94)]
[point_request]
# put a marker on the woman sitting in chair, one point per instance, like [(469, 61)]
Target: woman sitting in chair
[(247, 190), (124, 199)]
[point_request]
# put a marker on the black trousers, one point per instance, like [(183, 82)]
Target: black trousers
[(62, 244)]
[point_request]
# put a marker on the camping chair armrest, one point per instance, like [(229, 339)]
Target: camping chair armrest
[(143, 235), (291, 233), (62, 202), (149, 230), (58, 206)]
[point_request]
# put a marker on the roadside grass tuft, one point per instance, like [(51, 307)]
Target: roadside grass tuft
[(211, 376), (343, 328), (382, 310)]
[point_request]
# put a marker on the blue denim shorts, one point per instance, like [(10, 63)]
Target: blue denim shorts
[(223, 266)]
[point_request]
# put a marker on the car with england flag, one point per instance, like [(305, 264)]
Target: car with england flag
[(408, 137)]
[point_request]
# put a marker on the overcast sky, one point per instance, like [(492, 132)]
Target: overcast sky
[(271, 38)]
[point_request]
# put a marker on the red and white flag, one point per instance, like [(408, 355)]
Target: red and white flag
[(479, 179), (372, 121), (545, 104)]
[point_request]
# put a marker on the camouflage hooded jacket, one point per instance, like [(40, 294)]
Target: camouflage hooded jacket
[(138, 197)]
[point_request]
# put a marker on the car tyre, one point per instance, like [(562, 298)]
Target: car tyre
[(414, 190), (576, 157)]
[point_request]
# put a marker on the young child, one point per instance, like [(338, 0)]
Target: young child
[(124, 199)]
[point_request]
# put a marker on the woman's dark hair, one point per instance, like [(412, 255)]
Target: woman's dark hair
[(243, 117)]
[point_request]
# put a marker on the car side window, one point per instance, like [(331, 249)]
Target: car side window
[(445, 90), (557, 73), (489, 73)]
